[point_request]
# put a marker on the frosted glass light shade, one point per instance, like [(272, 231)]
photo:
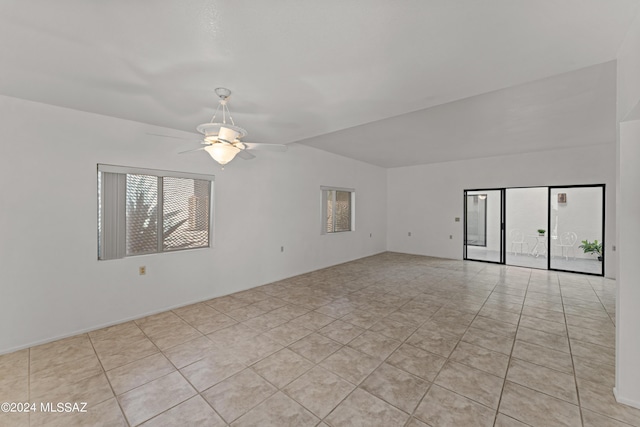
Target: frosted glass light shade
[(222, 153)]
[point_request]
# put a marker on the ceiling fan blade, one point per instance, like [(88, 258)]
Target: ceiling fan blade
[(259, 146), (245, 155), (167, 136), (189, 151)]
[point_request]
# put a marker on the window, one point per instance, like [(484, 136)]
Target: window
[(143, 211), (337, 209)]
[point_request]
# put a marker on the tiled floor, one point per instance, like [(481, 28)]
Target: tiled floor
[(389, 340)]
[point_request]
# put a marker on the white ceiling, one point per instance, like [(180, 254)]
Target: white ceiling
[(563, 111), (319, 70)]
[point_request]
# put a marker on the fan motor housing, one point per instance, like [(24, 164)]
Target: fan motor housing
[(213, 129)]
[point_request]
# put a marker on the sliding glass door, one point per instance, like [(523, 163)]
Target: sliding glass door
[(576, 218), (483, 225), (554, 228), (526, 227)]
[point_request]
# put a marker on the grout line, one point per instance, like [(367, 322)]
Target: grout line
[(384, 361), (575, 375), (603, 306), (104, 372), (198, 393), (452, 351), (513, 345)]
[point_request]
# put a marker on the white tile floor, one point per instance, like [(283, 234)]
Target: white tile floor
[(389, 340)]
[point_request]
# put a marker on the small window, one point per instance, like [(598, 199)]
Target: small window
[(144, 211), (337, 209)]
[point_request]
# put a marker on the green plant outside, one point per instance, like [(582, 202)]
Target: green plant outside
[(591, 247)]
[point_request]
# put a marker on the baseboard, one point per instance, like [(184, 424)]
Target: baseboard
[(101, 326), (159, 310), (625, 401)]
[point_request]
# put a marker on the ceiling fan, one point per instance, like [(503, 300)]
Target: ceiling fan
[(222, 140)]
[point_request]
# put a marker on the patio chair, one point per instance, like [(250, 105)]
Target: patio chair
[(517, 238), (567, 240)]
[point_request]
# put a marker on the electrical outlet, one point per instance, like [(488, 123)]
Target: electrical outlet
[(370, 234), (409, 234), (142, 270), (457, 219), (450, 236), (613, 248), (281, 248)]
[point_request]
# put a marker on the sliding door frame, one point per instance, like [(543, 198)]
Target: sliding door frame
[(604, 201)]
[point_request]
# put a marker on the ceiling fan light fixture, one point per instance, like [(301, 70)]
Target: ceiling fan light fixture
[(222, 139), (227, 135), (222, 153), (213, 130)]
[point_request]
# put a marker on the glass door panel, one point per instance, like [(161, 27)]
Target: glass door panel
[(576, 222), (483, 225), (526, 215)]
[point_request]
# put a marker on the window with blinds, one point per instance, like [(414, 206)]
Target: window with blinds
[(337, 209), (142, 211)]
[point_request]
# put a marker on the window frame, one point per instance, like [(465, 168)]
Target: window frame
[(122, 229), (324, 192)]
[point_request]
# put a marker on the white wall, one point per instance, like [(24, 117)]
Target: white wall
[(627, 388), (425, 199), (628, 70), (628, 298), (51, 284)]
